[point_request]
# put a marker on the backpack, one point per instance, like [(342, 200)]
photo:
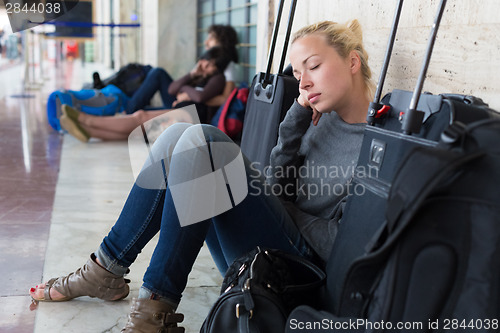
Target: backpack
[(229, 117), (435, 263), (104, 102)]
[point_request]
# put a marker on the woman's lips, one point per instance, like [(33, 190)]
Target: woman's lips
[(313, 98)]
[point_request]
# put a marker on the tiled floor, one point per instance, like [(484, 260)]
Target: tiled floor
[(58, 198)]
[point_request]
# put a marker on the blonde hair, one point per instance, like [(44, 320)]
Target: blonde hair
[(344, 38)]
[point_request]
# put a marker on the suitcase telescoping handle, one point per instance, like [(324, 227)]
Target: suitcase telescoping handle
[(376, 109), (275, 38), (412, 120)]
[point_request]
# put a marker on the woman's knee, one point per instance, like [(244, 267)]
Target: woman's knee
[(209, 133), (157, 72), (139, 116), (182, 137), (221, 148), (201, 134), (171, 136), (158, 161), (204, 162)]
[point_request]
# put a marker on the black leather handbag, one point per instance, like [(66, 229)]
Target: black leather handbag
[(259, 291)]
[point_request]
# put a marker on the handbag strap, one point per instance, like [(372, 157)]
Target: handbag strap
[(244, 324), (244, 311)]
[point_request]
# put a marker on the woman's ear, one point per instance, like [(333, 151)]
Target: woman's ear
[(355, 61)]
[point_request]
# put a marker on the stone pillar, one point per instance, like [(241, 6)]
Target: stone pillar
[(177, 36), (128, 39), (169, 35)]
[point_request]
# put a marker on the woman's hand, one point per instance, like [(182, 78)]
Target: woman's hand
[(316, 115), (197, 70), (181, 97)]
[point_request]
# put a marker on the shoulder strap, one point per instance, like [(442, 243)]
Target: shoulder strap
[(426, 168), (222, 119), (418, 176)]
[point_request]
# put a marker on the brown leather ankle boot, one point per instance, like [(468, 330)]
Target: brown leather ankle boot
[(149, 315)]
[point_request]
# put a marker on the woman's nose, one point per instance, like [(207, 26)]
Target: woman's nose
[(305, 82)]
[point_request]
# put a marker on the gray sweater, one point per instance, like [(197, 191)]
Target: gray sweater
[(310, 167)]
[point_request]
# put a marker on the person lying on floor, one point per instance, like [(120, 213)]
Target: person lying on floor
[(323, 128), (202, 83)]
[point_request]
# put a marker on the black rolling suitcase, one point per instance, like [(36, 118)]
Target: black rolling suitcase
[(395, 134), (270, 97)]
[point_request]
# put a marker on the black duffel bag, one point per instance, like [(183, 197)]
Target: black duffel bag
[(259, 291)]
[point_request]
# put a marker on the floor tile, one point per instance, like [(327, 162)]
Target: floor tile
[(16, 316), (22, 256)]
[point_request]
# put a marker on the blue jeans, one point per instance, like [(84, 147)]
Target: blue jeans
[(157, 79), (260, 219)]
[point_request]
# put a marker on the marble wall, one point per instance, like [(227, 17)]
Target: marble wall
[(169, 35), (177, 36), (466, 56)]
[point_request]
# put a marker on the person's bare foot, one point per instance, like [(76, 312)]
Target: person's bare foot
[(37, 293)]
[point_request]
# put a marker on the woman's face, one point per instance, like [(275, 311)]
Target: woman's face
[(210, 41), (208, 67), (326, 79)]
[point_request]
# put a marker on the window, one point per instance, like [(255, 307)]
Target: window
[(242, 15)]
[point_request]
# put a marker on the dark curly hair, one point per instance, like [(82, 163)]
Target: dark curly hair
[(227, 37)]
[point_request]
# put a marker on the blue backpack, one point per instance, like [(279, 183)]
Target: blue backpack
[(105, 102)]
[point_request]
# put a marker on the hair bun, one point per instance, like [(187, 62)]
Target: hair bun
[(355, 27)]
